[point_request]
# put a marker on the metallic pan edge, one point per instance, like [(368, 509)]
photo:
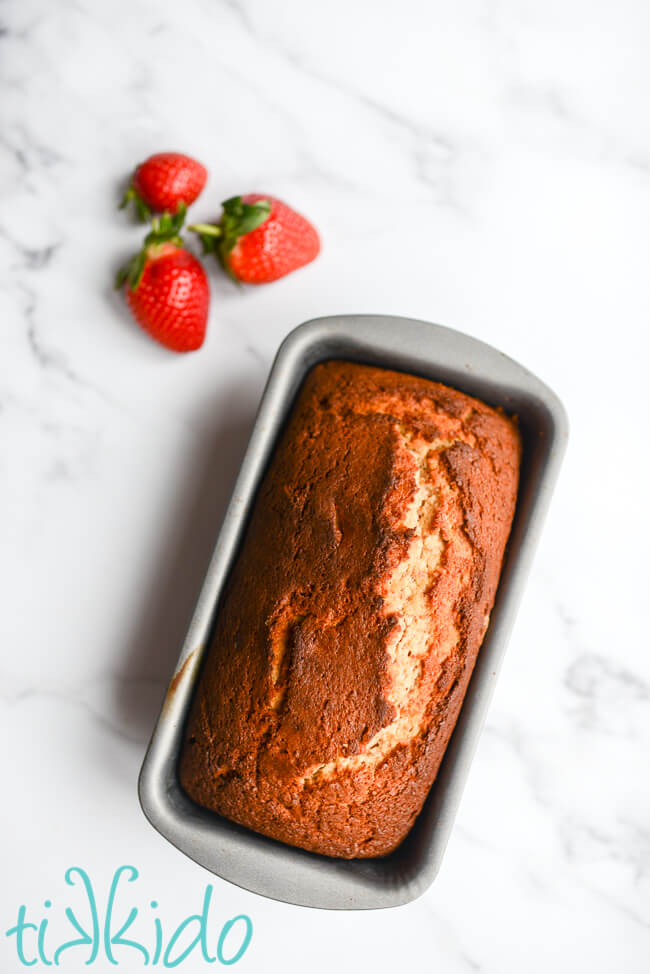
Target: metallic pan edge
[(263, 865)]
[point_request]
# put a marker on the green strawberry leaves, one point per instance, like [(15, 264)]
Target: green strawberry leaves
[(238, 219), (141, 208), (132, 272), (165, 228)]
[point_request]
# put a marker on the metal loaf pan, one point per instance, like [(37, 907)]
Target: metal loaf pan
[(263, 865)]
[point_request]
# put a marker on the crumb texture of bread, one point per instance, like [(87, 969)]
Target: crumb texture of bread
[(354, 612)]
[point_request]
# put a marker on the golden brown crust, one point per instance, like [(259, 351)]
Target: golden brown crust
[(354, 613)]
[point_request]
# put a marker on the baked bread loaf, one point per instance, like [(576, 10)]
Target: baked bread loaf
[(353, 615)]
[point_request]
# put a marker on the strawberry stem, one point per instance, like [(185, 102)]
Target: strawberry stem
[(210, 229)]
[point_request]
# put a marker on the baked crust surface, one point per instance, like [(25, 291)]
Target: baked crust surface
[(354, 613)]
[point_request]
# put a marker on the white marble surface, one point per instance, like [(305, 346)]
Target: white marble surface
[(481, 164)]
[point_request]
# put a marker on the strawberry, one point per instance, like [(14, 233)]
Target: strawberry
[(164, 180), (167, 289), (259, 238)]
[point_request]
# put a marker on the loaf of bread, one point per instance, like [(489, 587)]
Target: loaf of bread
[(354, 612)]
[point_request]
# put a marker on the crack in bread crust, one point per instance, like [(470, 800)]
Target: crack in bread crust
[(405, 592)]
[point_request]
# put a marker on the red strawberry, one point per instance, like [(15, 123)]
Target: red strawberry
[(167, 289), (259, 238), (162, 181)]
